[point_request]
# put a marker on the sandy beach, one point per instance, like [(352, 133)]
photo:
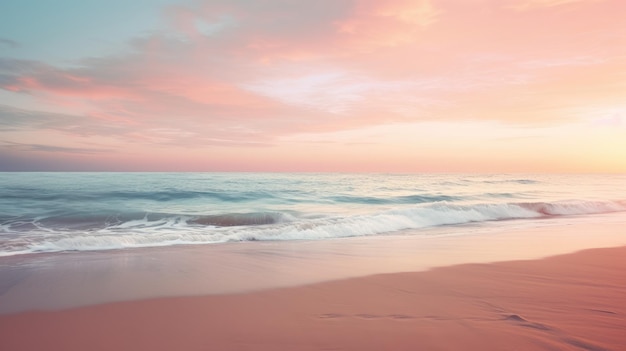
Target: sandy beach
[(567, 302), (272, 175)]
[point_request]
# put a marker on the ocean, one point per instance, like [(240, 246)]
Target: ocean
[(64, 212)]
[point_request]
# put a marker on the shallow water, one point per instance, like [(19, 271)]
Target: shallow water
[(70, 279), (56, 212)]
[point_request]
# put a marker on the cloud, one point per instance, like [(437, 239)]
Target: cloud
[(613, 118), (248, 72), (51, 148), (244, 84), (296, 30), (346, 93), (14, 119), (533, 4), (563, 61), (9, 43)]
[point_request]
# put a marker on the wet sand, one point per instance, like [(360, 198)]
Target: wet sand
[(55, 281), (568, 302)]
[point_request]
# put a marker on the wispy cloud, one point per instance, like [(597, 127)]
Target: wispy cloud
[(8, 43), (273, 30), (262, 69), (51, 148), (533, 4), (236, 74), (13, 119), (563, 61)]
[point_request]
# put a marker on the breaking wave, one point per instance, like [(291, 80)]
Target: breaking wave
[(151, 230)]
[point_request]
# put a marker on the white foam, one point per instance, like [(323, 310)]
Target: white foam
[(176, 230), (565, 208)]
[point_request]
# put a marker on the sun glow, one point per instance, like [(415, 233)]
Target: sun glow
[(394, 85)]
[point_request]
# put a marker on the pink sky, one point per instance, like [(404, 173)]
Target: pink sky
[(369, 85)]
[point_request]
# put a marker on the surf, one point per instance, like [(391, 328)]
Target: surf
[(164, 230)]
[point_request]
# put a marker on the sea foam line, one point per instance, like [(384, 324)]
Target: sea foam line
[(177, 232)]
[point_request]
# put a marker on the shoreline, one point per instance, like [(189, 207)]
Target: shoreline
[(569, 302), (67, 280)]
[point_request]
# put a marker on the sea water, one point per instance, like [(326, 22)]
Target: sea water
[(52, 212)]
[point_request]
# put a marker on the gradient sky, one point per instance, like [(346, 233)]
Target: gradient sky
[(326, 85)]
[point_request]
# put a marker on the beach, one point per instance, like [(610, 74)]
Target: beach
[(564, 302), (269, 261), (272, 175), (571, 302)]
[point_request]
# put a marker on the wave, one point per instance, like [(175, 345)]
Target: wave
[(160, 196), (566, 208), (217, 196), (512, 181), (243, 219), (270, 226), (93, 222), (406, 199)]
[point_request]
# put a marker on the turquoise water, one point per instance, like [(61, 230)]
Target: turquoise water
[(51, 212)]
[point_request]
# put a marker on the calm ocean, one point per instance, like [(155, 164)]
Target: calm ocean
[(51, 212)]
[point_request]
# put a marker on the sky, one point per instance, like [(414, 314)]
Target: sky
[(476, 86)]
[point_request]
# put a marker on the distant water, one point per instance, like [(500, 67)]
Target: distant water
[(51, 212)]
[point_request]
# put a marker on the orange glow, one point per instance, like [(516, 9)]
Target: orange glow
[(386, 86)]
